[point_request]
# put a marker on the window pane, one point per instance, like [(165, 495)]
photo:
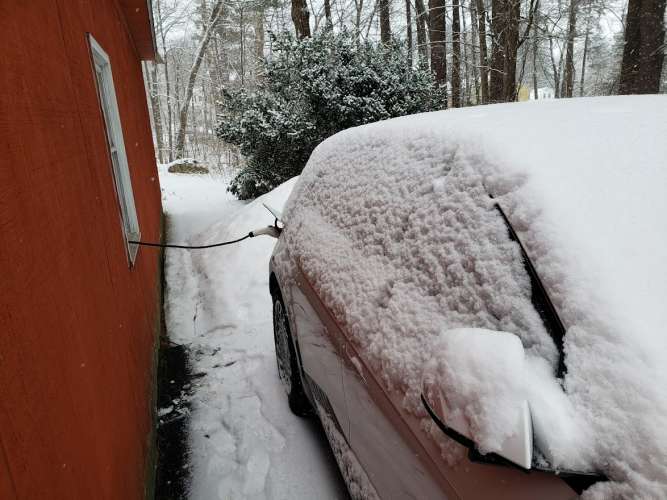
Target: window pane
[(114, 132)]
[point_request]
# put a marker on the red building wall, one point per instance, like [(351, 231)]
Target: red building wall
[(77, 326)]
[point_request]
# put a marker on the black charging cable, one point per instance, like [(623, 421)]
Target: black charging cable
[(273, 231), (191, 247)]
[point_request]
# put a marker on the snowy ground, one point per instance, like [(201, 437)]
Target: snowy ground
[(244, 441)]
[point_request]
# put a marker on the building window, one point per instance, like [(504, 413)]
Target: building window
[(121, 171)]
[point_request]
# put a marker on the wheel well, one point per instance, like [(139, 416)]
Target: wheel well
[(273, 285), (274, 288)]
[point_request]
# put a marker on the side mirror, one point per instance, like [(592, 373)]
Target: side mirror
[(473, 389)]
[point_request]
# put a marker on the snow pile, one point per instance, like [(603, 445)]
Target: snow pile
[(244, 441), (393, 224)]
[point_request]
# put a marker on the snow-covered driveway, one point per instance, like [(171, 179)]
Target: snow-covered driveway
[(244, 441)]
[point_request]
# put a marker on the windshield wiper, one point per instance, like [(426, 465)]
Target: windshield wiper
[(540, 299)]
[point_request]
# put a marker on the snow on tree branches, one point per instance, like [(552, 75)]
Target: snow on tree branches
[(311, 89)]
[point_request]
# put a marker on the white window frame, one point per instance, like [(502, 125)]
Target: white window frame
[(116, 144)]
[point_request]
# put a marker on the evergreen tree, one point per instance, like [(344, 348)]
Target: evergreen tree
[(311, 89)]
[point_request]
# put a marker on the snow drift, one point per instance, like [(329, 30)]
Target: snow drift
[(393, 224)]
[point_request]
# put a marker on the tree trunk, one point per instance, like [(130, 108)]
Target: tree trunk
[(535, 28), (483, 58), (151, 78), (242, 42), (170, 125), (561, 71), (505, 27), (420, 19), (456, 56), (385, 25), (630, 62), (301, 18), (408, 24), (183, 114), (511, 47), (498, 28), (259, 36), (327, 14), (170, 109), (643, 56), (554, 68), (358, 7), (369, 22), (465, 99), (216, 70), (583, 61), (568, 78), (437, 31), (652, 47), (473, 56)]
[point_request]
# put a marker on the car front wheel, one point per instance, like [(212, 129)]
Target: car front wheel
[(288, 368)]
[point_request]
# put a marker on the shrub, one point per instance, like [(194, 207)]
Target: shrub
[(310, 90)]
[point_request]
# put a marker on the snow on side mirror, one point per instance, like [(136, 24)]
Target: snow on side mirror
[(473, 389)]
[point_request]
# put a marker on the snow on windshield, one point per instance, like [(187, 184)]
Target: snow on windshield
[(393, 224)]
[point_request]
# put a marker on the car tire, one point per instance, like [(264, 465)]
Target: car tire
[(288, 367)]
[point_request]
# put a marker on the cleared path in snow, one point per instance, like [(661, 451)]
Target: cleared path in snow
[(244, 441)]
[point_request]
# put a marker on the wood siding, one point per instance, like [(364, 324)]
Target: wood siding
[(77, 326)]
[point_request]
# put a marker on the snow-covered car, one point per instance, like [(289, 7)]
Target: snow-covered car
[(474, 301)]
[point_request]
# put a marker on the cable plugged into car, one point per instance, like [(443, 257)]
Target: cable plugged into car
[(273, 231)]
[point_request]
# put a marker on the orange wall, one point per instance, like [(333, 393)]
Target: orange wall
[(76, 324)]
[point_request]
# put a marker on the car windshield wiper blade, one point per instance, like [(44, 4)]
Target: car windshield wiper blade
[(579, 481), (540, 299)]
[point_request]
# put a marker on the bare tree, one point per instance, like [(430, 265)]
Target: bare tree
[(156, 112), (463, 37), (513, 13), (568, 77), (585, 54), (259, 35), (163, 36), (474, 36), (456, 55), (483, 58), (643, 52), (535, 49), (408, 34), (498, 35), (421, 19), (385, 25), (327, 14), (301, 18), (489, 51), (437, 32), (358, 7), (192, 77)]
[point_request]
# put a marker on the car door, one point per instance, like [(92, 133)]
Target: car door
[(319, 347), (387, 449)]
